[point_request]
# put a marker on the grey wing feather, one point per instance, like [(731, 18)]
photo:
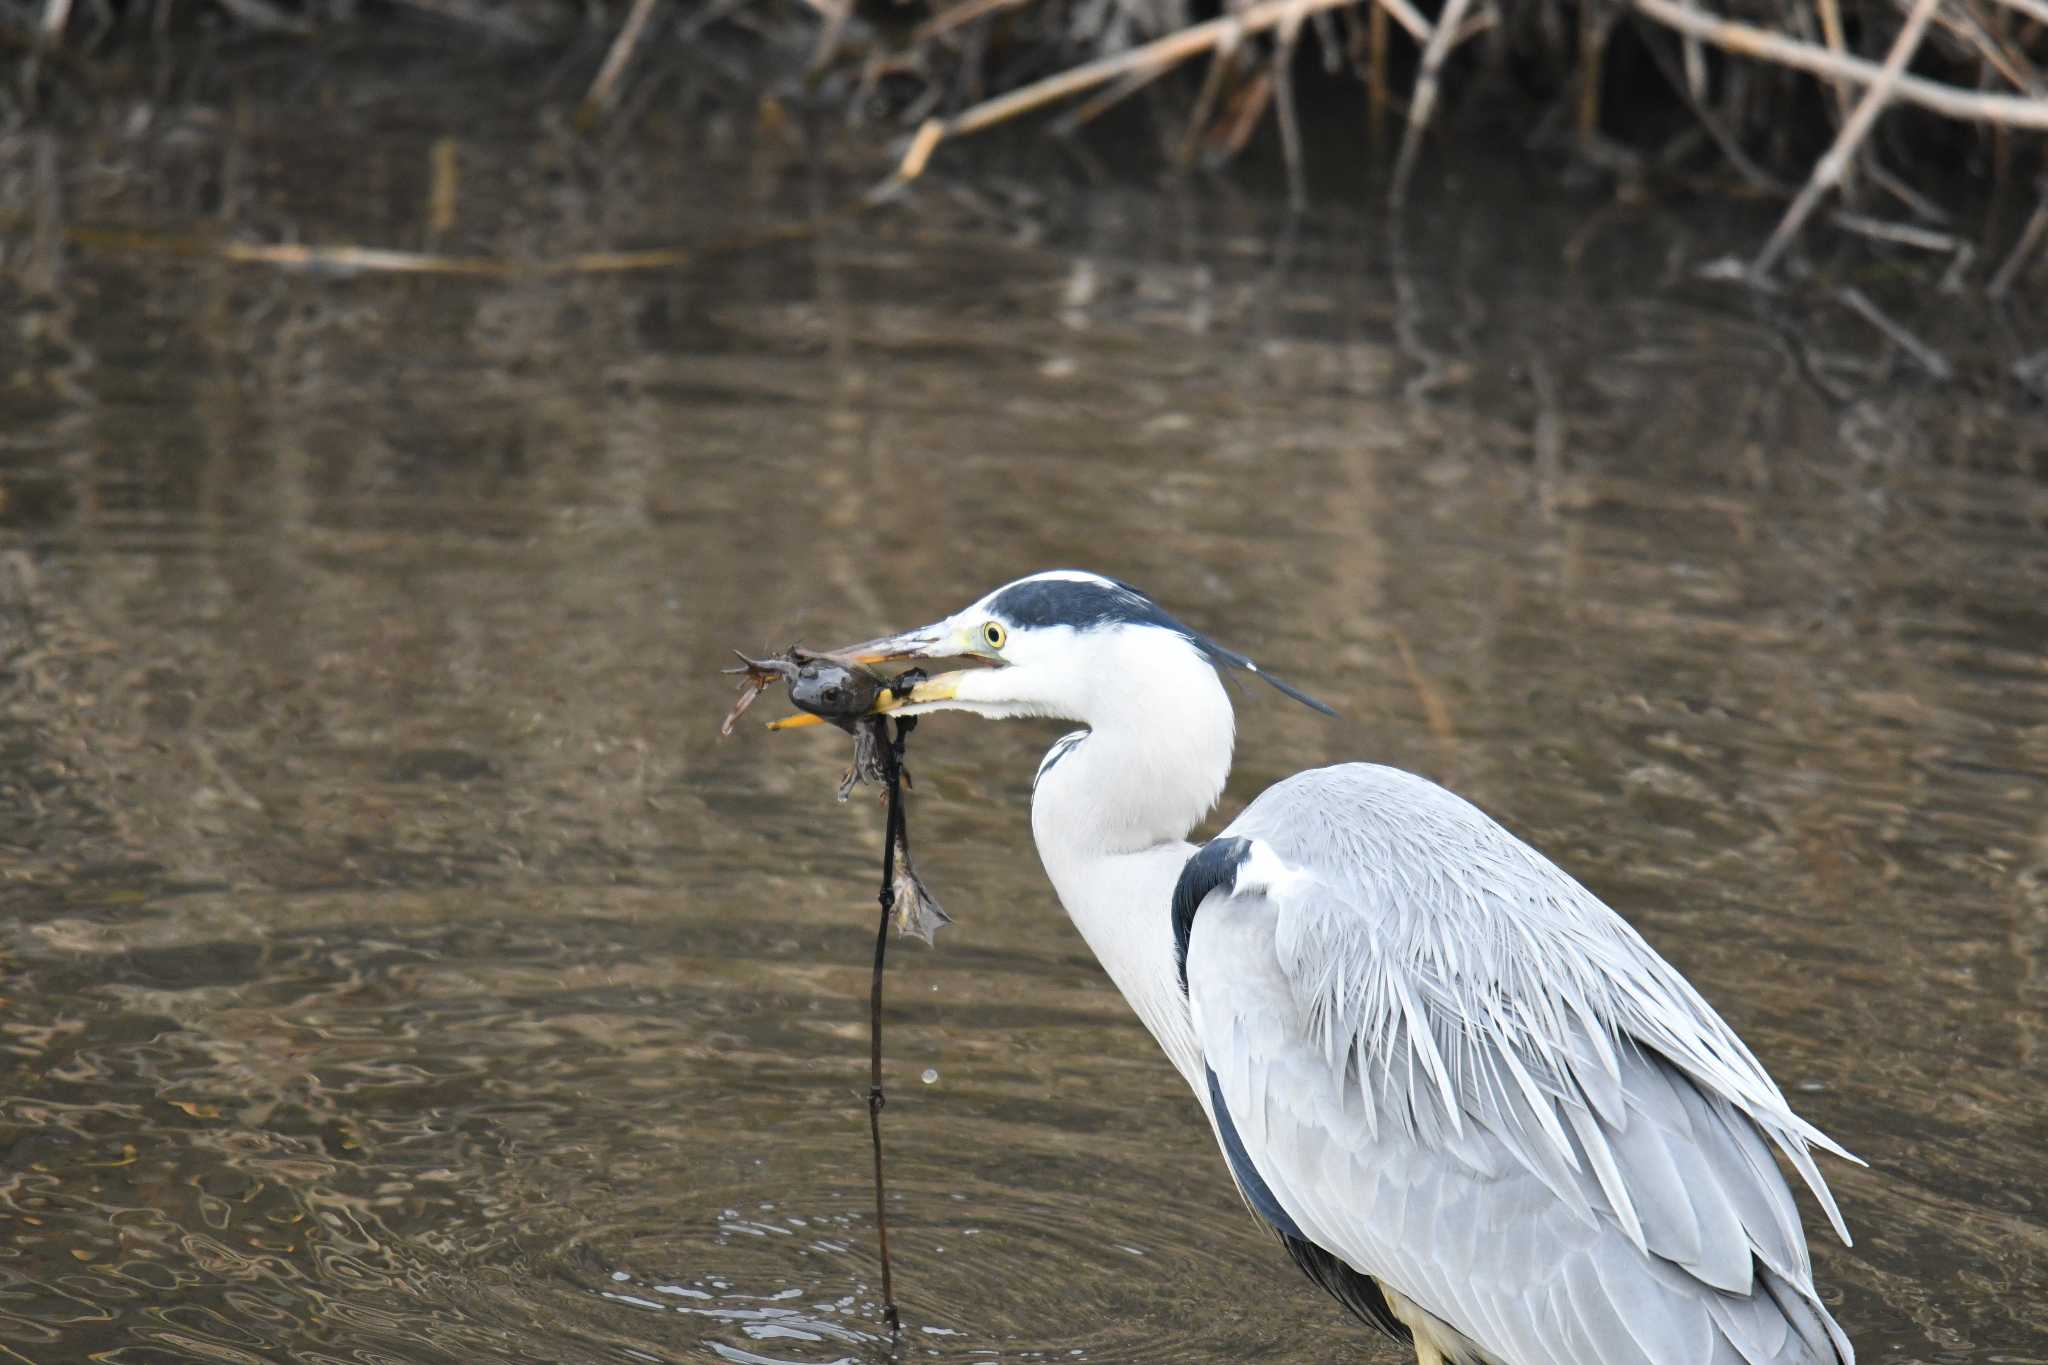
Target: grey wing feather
[(1461, 1071)]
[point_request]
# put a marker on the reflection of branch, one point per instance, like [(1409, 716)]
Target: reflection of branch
[(1432, 373), (1434, 712)]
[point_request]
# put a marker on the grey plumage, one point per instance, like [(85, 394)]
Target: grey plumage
[(1458, 1070), (1473, 1103)]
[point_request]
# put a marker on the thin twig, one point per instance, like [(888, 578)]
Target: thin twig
[(1596, 24), (1905, 234), (837, 16), (1408, 17), (1831, 30), (1898, 189), (1422, 103), (2037, 10), (2016, 111), (2007, 61), (444, 184), (1929, 359), (949, 19), (605, 86), (1095, 107), (1167, 51), (2030, 238), (1827, 172), (1694, 59), (1958, 266), (1247, 106), (1205, 98), (345, 259), (1328, 41), (1759, 179)]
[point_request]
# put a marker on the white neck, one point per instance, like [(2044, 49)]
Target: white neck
[(1110, 814)]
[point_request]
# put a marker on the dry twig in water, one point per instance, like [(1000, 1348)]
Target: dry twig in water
[(1828, 171), (1422, 103), (1168, 51), (2030, 238), (1925, 356), (2013, 111)]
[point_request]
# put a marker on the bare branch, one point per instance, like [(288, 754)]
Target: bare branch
[(1827, 172), (2014, 111)]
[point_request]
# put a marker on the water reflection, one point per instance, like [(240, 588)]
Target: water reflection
[(396, 968)]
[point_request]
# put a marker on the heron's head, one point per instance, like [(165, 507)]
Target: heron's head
[(1063, 644)]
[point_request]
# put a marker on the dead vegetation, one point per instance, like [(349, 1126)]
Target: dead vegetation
[(1922, 124)]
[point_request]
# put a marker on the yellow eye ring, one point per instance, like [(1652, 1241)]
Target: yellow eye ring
[(993, 634)]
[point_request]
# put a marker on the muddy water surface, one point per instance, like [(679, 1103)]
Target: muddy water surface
[(398, 969)]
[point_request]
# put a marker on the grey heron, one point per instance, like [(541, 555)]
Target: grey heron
[(1472, 1102)]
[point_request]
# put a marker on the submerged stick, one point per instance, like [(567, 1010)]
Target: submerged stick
[(351, 259)]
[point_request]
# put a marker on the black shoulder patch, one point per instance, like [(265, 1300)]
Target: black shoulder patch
[(1359, 1293), (1212, 865)]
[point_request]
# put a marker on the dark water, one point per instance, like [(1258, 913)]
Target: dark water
[(397, 969)]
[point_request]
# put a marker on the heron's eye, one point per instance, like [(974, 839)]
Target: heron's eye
[(994, 634)]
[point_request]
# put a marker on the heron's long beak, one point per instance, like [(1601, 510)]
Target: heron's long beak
[(926, 642), (899, 652), (892, 654)]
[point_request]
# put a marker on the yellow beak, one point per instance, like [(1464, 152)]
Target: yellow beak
[(907, 649)]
